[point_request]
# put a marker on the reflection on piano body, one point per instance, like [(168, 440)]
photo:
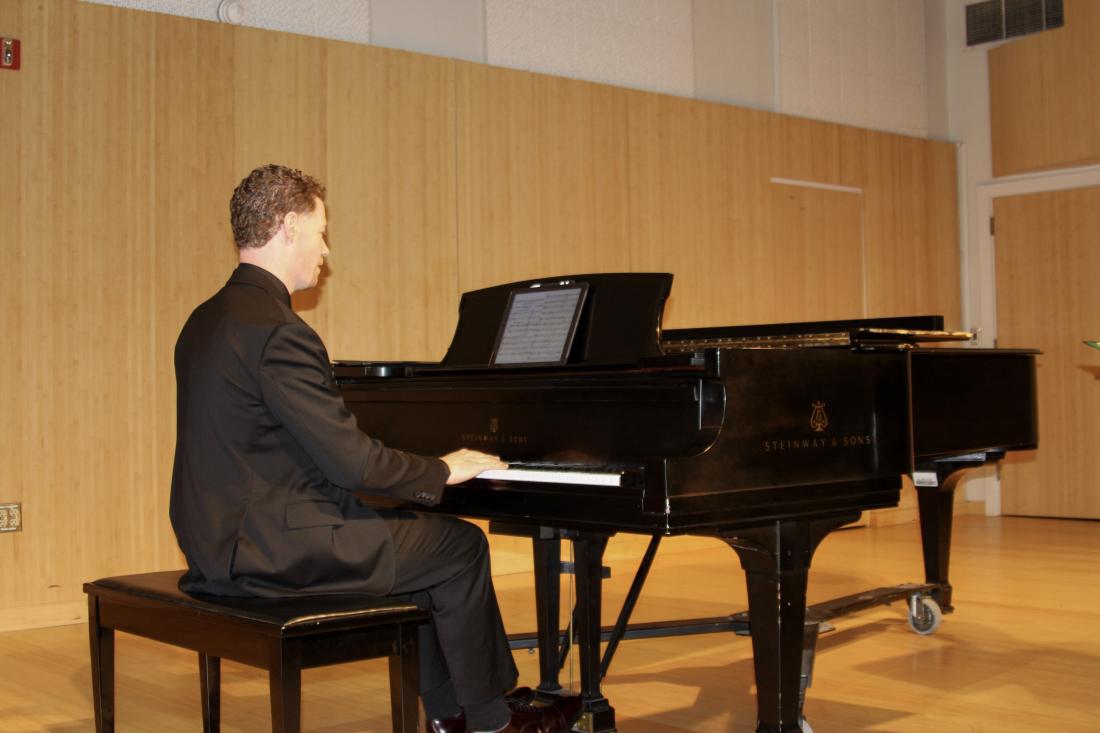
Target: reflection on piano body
[(765, 437)]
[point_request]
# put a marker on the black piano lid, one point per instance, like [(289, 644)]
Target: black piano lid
[(619, 325)]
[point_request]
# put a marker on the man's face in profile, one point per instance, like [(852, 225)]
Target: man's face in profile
[(310, 247)]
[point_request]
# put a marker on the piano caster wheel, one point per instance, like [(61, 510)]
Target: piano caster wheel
[(925, 614)]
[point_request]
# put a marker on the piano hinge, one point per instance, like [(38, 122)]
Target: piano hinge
[(992, 231)]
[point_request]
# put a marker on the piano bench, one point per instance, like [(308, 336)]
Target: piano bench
[(282, 635)]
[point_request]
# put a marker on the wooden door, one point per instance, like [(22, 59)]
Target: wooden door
[(1048, 296)]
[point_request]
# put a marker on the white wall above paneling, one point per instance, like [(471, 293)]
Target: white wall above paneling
[(342, 20), (201, 9), (858, 62), (734, 52), (644, 44), (451, 28)]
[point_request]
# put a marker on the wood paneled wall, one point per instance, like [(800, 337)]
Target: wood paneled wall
[(1044, 96), (125, 133), (543, 166)]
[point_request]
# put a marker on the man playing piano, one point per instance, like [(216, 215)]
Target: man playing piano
[(269, 463)]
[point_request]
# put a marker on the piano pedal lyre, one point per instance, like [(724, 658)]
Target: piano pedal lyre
[(570, 568)]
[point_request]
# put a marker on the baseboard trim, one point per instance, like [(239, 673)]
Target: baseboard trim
[(43, 615)]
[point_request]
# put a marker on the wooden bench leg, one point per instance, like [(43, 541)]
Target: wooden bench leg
[(210, 686), (285, 681), (102, 641), (405, 679)]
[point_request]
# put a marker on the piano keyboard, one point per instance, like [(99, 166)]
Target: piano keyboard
[(554, 476)]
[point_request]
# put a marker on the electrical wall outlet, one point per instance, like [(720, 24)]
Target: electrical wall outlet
[(11, 517), (9, 53)]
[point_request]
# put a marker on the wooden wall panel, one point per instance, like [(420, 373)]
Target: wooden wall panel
[(88, 305), (700, 207), (541, 175), (279, 112), (817, 264), (936, 281), (390, 149), (1046, 244), (911, 216), (191, 174), (1044, 96), (24, 227), (279, 100), (810, 150)]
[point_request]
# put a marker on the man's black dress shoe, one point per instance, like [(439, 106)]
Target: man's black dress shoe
[(557, 717), (520, 695), (457, 724)]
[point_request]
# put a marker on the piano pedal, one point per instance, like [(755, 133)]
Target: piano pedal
[(569, 568), (599, 720)]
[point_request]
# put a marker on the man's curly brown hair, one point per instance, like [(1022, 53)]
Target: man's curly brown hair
[(264, 197)]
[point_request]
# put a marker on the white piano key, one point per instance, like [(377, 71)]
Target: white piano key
[(550, 476)]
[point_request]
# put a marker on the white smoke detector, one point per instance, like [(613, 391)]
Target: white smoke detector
[(231, 11)]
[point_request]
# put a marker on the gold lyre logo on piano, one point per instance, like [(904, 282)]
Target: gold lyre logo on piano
[(818, 419), (494, 425)]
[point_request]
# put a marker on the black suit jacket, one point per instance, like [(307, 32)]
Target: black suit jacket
[(268, 457)]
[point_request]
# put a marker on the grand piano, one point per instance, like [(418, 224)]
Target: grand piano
[(764, 437)]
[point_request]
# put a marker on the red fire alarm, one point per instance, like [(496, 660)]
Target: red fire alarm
[(9, 53)]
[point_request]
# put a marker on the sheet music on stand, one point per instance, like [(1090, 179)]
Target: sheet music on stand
[(539, 324)]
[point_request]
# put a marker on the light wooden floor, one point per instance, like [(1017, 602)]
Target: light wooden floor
[(1021, 653)]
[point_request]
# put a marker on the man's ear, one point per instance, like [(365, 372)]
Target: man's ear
[(290, 225)]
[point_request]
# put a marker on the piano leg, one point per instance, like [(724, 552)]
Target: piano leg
[(598, 715), (937, 508), (776, 559), (547, 553)]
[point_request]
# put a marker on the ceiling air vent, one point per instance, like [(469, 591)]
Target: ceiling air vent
[(995, 20)]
